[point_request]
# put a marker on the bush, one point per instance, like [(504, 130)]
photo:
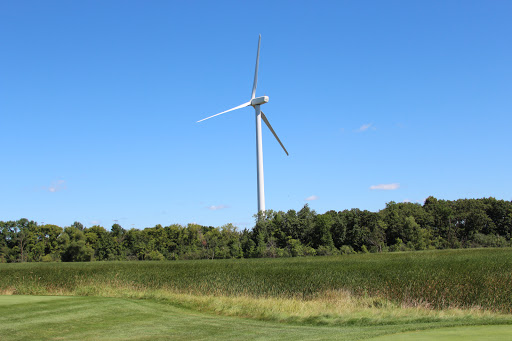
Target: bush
[(398, 246), (323, 250), (154, 255), (489, 240), (308, 251), (296, 248), (346, 250), (46, 258)]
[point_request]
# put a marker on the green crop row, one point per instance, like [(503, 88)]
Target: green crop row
[(470, 278)]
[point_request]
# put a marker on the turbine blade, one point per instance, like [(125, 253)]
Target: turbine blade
[(256, 71), (239, 107), (273, 132)]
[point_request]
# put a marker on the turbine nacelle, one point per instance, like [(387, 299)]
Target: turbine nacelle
[(259, 100)]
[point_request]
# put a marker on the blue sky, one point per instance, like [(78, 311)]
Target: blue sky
[(375, 101)]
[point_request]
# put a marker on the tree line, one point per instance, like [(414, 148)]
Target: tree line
[(437, 224)]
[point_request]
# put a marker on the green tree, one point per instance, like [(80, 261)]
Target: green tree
[(75, 248), (338, 228), (78, 226), (306, 218), (321, 233), (25, 238)]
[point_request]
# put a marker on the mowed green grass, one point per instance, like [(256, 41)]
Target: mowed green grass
[(100, 318)]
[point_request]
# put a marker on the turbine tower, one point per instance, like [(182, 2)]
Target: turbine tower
[(256, 102)]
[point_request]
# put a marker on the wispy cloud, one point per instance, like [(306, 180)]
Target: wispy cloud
[(56, 186), (365, 127), (385, 187), (244, 224), (218, 207), (311, 198)]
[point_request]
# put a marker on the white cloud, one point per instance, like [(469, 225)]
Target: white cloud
[(311, 198), (218, 207), (56, 186), (406, 201), (386, 187), (365, 127)]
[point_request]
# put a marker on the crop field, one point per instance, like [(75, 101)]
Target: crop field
[(386, 292)]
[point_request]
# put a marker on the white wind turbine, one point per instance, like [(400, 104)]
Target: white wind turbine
[(256, 102)]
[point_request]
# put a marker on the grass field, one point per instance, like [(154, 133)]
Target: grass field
[(344, 297)]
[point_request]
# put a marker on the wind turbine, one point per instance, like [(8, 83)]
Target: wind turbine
[(256, 102)]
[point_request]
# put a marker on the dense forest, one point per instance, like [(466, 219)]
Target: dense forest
[(437, 224)]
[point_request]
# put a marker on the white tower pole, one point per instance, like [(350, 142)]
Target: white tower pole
[(259, 156)]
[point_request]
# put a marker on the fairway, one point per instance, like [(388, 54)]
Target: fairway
[(99, 318)]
